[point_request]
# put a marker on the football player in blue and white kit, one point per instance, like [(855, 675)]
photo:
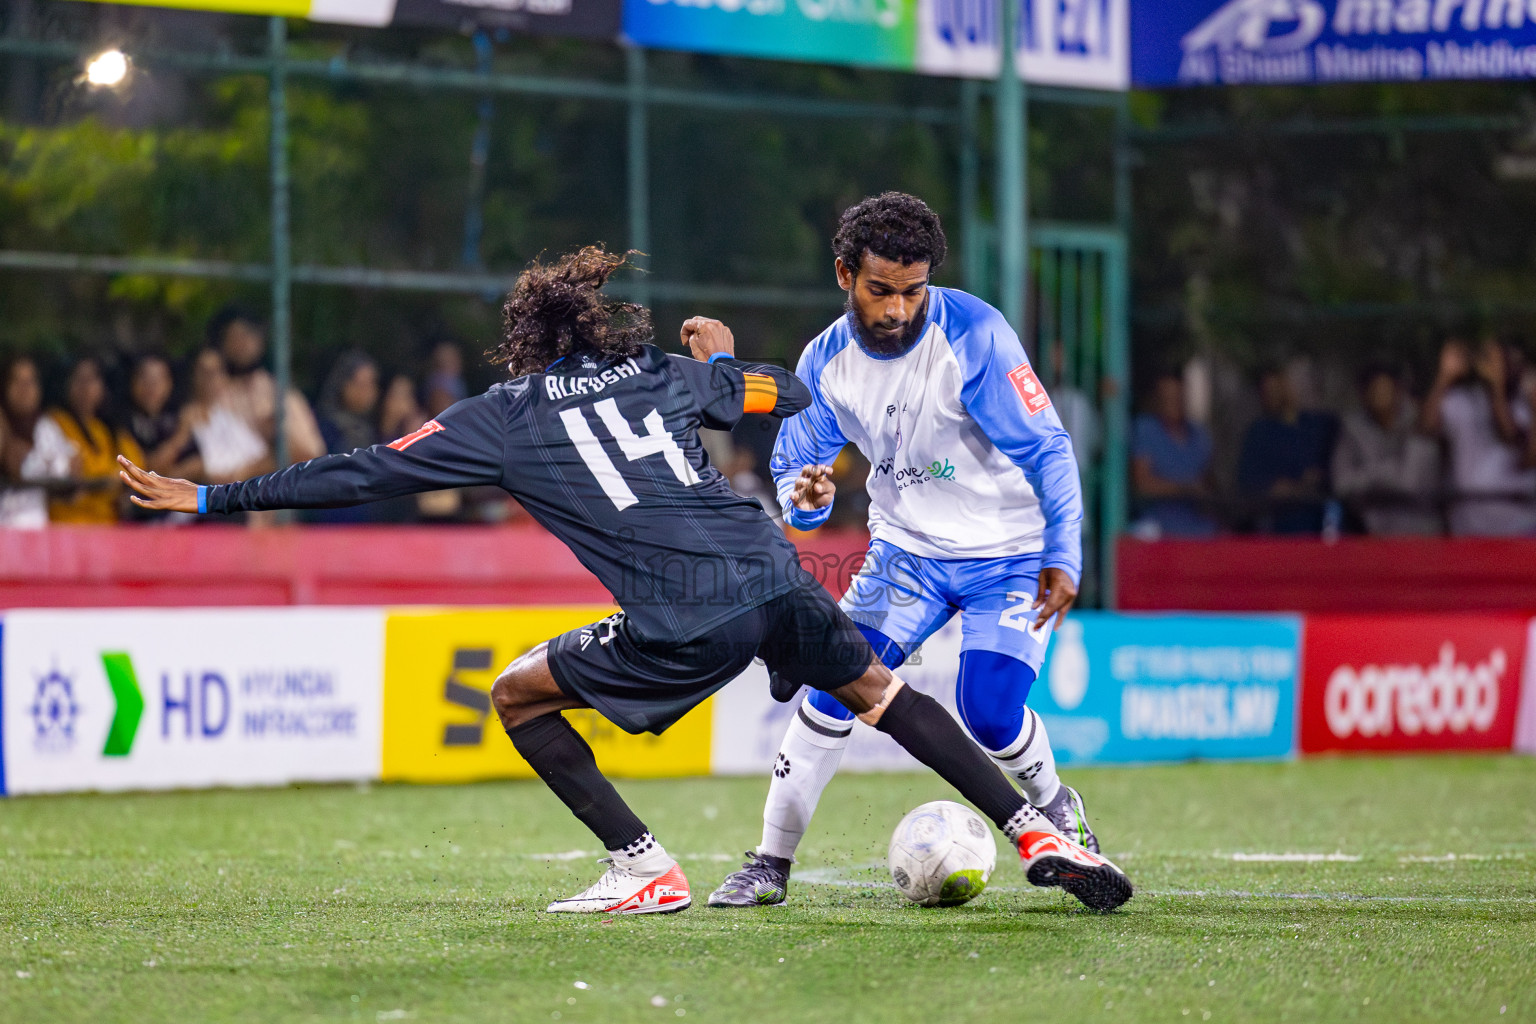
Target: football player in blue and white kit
[(975, 506)]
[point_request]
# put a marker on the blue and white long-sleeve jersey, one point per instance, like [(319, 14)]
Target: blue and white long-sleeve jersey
[(968, 458)]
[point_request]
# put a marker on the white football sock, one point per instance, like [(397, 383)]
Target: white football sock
[(644, 857), (1029, 759), (808, 758)]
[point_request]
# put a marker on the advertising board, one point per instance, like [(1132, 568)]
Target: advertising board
[(1236, 42), (1061, 42), (113, 699), (1525, 724), (593, 19), (439, 725), (1134, 688), (1411, 682), (748, 723), (589, 19), (1116, 688)]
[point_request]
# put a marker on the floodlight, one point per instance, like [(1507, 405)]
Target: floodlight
[(107, 68)]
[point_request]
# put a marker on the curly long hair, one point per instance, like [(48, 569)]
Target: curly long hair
[(894, 226), (556, 309)]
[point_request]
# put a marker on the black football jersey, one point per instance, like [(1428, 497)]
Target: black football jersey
[(606, 455)]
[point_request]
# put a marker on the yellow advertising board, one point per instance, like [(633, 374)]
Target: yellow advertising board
[(346, 12), (439, 726)]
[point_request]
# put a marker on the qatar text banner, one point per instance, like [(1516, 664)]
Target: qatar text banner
[(1411, 682), (1239, 42), (1082, 43), (168, 698)]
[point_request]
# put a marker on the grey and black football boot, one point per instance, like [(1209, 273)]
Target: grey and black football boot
[(763, 881), (1070, 817)]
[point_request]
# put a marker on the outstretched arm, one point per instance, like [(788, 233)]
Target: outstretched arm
[(461, 448)]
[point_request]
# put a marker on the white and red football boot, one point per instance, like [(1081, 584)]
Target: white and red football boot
[(620, 891), (1053, 860)]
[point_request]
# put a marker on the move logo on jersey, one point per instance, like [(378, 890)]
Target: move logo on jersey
[(427, 429), (1024, 381)]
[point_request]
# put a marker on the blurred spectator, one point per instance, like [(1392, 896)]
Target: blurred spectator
[(1383, 466), (1285, 458), (95, 498), (228, 447), (155, 425), (348, 402), (32, 447), (1476, 407), (445, 376), (252, 393), (399, 412), (1078, 413), (1170, 467), (348, 421)]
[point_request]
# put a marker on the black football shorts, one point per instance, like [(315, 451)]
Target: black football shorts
[(643, 686)]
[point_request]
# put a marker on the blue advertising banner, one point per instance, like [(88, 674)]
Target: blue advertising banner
[(1133, 688), (1208, 42)]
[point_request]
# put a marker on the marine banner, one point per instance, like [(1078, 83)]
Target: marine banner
[(111, 699), (439, 725), (1239, 42)]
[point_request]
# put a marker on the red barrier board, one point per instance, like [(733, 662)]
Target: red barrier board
[(1411, 682), (1287, 574), (228, 566)]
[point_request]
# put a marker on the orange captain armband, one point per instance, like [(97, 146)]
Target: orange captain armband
[(762, 393)]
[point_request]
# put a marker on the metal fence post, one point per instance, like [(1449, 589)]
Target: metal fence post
[(1012, 169), (639, 171), (971, 240), (1114, 503), (282, 254), (479, 156)]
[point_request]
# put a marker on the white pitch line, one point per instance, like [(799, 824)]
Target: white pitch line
[(828, 876), (1291, 858), (1345, 897)]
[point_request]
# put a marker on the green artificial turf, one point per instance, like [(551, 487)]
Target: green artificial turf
[(424, 904)]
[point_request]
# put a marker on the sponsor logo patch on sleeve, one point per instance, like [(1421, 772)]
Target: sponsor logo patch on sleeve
[(1024, 381), (427, 429)]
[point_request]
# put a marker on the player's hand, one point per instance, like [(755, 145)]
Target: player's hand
[(161, 493), (1490, 366), (1454, 361), (814, 489), (1057, 592), (705, 337)]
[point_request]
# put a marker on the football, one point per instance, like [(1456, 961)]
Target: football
[(942, 854)]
